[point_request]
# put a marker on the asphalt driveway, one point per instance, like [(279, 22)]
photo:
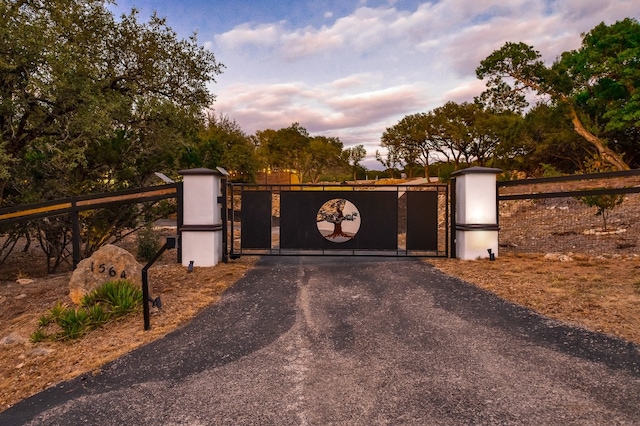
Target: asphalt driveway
[(356, 341)]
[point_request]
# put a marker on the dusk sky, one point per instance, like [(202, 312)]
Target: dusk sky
[(352, 68)]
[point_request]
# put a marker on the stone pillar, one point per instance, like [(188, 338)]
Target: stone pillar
[(201, 231), (476, 218)]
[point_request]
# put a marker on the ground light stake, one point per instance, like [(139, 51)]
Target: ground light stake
[(172, 242)]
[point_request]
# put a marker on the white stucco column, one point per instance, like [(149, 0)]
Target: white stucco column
[(476, 219), (201, 232)]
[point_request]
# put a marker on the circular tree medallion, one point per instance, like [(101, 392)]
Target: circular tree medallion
[(338, 220)]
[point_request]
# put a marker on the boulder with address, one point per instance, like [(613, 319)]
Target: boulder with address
[(109, 263)]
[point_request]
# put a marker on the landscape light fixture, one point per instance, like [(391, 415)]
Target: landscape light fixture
[(157, 302), (492, 256)]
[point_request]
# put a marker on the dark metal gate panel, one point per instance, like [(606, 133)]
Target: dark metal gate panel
[(376, 211), (422, 220), (256, 220), (377, 220)]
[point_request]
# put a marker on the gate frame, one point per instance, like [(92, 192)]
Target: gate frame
[(440, 188)]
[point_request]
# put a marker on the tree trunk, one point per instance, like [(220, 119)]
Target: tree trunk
[(606, 153), (337, 231), (426, 168)]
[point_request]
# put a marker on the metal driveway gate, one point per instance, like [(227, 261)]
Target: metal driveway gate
[(382, 220)]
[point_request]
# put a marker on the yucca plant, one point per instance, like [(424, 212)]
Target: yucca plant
[(38, 336), (90, 299), (111, 299), (121, 295), (57, 310), (98, 314), (126, 299), (44, 321), (100, 294), (74, 323)]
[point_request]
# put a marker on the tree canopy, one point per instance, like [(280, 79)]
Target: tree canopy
[(354, 156), (410, 139), (92, 103), (221, 142), (596, 85), (283, 149), (75, 82), (457, 133), (323, 153), (293, 149)]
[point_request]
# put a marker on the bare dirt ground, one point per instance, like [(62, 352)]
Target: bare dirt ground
[(599, 292)]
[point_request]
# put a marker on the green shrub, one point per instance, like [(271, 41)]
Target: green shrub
[(74, 323), (603, 204), (58, 309), (98, 314), (549, 171), (100, 295), (111, 299), (606, 202), (120, 296), (38, 336), (125, 300), (44, 321), (148, 243), (443, 171)]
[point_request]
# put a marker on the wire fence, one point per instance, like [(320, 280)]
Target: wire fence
[(560, 215)]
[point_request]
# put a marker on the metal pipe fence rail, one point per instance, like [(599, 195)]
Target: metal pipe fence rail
[(73, 205)]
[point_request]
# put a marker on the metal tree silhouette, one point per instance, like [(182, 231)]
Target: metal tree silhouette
[(333, 212)]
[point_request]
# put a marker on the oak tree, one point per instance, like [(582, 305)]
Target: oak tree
[(92, 103), (597, 84), (411, 139), (354, 156)]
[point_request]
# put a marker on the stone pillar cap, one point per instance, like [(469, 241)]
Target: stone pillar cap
[(476, 169), (202, 171)]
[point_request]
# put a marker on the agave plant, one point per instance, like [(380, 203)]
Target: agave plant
[(74, 323), (111, 299)]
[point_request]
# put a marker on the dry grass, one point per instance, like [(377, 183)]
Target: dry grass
[(27, 368), (599, 294)]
